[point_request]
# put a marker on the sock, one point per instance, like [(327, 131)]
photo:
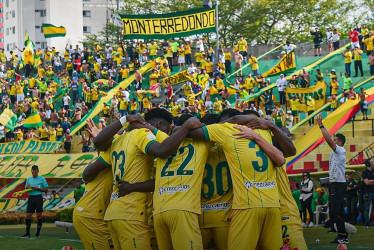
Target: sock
[(28, 225), (40, 222)]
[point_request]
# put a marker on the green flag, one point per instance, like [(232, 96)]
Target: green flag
[(8, 119)]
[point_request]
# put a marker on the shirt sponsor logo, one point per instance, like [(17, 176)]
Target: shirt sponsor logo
[(286, 218), (260, 185), (215, 206), (151, 136), (173, 189), (114, 196)]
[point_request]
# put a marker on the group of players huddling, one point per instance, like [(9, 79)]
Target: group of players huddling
[(216, 182)]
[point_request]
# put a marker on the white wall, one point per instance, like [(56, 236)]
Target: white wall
[(67, 13)]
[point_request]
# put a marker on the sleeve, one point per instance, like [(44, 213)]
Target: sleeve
[(144, 139), (44, 183), (364, 175), (105, 158), (339, 149), (215, 132)]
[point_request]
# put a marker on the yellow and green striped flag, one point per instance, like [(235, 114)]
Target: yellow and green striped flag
[(8, 119), (33, 121), (50, 30)]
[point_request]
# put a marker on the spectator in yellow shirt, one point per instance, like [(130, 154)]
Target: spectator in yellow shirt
[(347, 60), (209, 67), (310, 103), (243, 47), (254, 64), (198, 56), (357, 55)]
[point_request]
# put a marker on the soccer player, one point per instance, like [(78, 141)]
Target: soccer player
[(88, 216), (256, 205), (131, 161), (39, 185), (292, 230), (216, 193)]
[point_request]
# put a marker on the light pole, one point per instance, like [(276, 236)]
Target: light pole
[(208, 4), (217, 34)]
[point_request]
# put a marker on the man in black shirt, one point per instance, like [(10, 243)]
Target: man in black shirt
[(368, 177), (317, 40), (351, 198)]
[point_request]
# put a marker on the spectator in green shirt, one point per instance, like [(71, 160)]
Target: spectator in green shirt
[(78, 191), (296, 195), (319, 198), (347, 81)]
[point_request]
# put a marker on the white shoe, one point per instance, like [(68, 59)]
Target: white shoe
[(316, 225), (311, 224), (304, 225)]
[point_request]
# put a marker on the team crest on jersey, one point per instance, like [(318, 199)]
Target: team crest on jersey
[(151, 136), (260, 185), (173, 189)]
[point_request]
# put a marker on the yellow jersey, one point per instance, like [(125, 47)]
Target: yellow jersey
[(311, 104), (187, 49), (249, 83), (219, 84), (253, 62), (153, 49), (242, 45), (334, 87), (41, 72), (209, 67), (198, 56), (369, 43), (123, 104), (153, 78), (125, 73), (106, 110), (203, 63), (129, 162), (146, 103), (178, 178), (348, 57), (52, 136), (294, 104), (253, 173), (43, 133), (96, 196), (180, 52), (228, 56), (357, 54), (133, 106), (216, 191)]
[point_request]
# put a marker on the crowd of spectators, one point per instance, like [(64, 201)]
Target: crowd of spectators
[(64, 86)]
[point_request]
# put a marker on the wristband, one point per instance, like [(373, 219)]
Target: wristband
[(123, 120), (322, 126)]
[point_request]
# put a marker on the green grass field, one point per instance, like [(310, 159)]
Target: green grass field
[(56, 238)]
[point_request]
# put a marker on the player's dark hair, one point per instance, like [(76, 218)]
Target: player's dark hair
[(182, 119), (251, 112), (35, 167), (158, 113), (228, 113), (341, 138), (210, 119)]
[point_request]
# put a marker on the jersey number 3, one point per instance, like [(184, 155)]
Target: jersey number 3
[(260, 154)]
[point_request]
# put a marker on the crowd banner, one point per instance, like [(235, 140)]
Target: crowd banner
[(165, 26), (328, 104), (317, 92), (29, 146), (333, 122), (179, 77), (50, 165), (298, 72), (286, 64)]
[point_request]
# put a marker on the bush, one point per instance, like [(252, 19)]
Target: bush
[(13, 218), (65, 214)]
